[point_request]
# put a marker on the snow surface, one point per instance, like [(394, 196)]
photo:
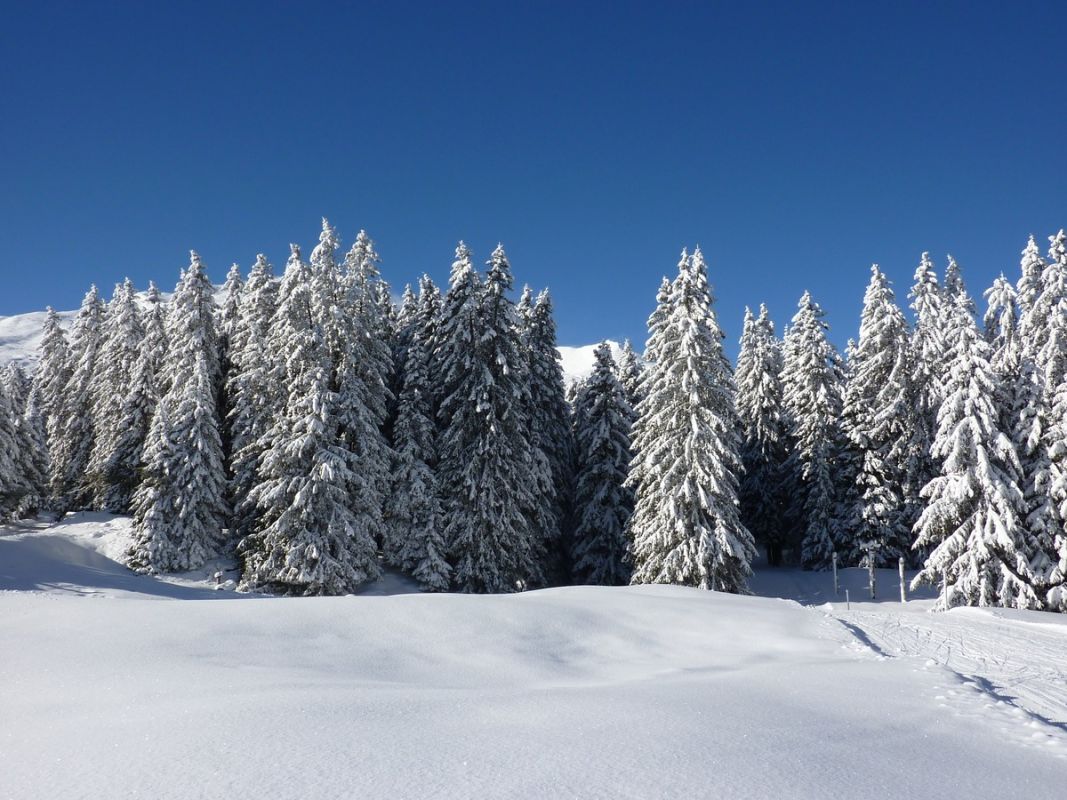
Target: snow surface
[(20, 339), (112, 686)]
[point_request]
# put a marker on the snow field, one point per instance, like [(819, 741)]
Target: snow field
[(635, 692)]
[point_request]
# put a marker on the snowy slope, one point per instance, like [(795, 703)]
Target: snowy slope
[(642, 692), (20, 338)]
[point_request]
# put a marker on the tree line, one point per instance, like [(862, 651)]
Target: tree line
[(317, 430)]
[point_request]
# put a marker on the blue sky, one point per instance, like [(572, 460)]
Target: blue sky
[(796, 143)]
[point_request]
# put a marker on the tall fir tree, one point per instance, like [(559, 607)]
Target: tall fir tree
[(877, 417), (255, 397), (812, 399), (415, 538), (550, 431), (179, 508), (51, 375), (630, 370), (972, 522), (765, 487), (486, 470), (111, 476), (686, 526), (72, 441), (600, 549)]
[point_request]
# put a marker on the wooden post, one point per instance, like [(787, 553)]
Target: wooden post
[(870, 569), (903, 589), (837, 588)]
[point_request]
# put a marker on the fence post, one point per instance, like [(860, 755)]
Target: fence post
[(903, 590), (837, 588), (870, 569)]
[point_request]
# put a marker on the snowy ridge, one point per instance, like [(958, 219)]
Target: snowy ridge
[(634, 692), (20, 338)]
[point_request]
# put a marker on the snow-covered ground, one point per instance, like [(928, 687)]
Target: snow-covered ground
[(112, 686), (20, 338)]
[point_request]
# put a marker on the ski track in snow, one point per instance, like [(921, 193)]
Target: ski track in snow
[(993, 665)]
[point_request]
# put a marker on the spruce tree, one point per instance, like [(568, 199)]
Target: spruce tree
[(486, 469), (764, 490), (602, 503), (113, 476), (812, 399), (550, 430), (255, 397), (52, 374), (179, 508), (630, 370), (72, 441), (686, 526), (973, 518), (415, 538), (877, 418)]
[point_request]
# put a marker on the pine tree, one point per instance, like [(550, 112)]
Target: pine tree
[(309, 538), (602, 503), (179, 508), (112, 476), (686, 526), (812, 399), (486, 471), (72, 442), (13, 485), (1043, 333), (877, 419), (363, 374), (630, 370), (457, 330), (415, 540), (52, 374), (1031, 267), (972, 520), (764, 490), (154, 319), (255, 398), (550, 432)]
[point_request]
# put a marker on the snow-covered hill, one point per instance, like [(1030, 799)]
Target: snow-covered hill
[(117, 685), (20, 337)]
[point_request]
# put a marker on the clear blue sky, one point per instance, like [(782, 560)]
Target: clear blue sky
[(796, 142)]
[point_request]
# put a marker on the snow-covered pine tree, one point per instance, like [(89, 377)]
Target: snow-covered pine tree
[(308, 539), (226, 325), (630, 369), (364, 367), (179, 508), (955, 287), (113, 477), (550, 431), (52, 373), (600, 549), (972, 521), (686, 526), (929, 365), (154, 319), (658, 319), (457, 330), (415, 537), (72, 442), (13, 484), (486, 471), (32, 449), (1031, 268), (877, 418), (1041, 369), (1001, 322), (765, 489), (255, 397), (812, 399)]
